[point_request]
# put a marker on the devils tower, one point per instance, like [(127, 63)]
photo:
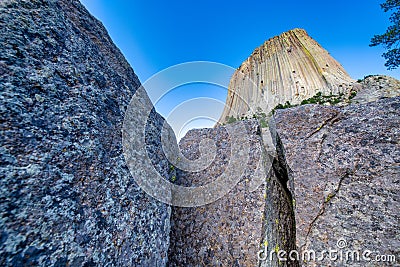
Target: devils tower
[(72, 173), (290, 67)]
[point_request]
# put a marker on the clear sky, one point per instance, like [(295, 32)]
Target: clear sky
[(154, 35)]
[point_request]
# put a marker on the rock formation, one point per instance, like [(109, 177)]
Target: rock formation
[(343, 164), (375, 87), (290, 67), (331, 173), (333, 184), (67, 197), (226, 232)]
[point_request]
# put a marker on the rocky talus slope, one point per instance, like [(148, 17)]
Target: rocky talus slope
[(290, 67), (67, 197)]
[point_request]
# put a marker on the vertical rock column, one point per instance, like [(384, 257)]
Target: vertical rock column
[(289, 67)]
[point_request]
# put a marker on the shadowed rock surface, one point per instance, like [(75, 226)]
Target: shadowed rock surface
[(67, 197), (256, 215), (279, 228), (226, 232), (344, 164)]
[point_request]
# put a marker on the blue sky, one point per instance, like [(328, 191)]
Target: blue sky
[(154, 35)]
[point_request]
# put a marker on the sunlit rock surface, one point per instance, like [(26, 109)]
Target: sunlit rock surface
[(290, 67)]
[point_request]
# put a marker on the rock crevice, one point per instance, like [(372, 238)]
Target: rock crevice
[(67, 196), (345, 187), (279, 227)]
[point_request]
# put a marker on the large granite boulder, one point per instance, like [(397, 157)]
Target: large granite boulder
[(343, 174), (67, 197), (374, 87), (228, 231), (254, 218)]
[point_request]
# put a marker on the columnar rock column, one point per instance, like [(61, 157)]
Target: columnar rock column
[(289, 67)]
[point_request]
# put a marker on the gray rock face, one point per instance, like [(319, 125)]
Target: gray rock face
[(278, 228), (245, 225), (67, 197), (228, 231), (375, 87), (343, 165)]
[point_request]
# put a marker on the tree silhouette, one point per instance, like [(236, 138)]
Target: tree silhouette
[(391, 38)]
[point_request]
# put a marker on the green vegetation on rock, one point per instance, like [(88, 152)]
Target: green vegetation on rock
[(259, 115), (319, 99)]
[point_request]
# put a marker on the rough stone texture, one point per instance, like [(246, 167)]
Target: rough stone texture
[(279, 229), (375, 87), (67, 198), (227, 232), (289, 67), (344, 164)]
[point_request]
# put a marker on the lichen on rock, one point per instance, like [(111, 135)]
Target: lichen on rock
[(67, 197), (344, 167)]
